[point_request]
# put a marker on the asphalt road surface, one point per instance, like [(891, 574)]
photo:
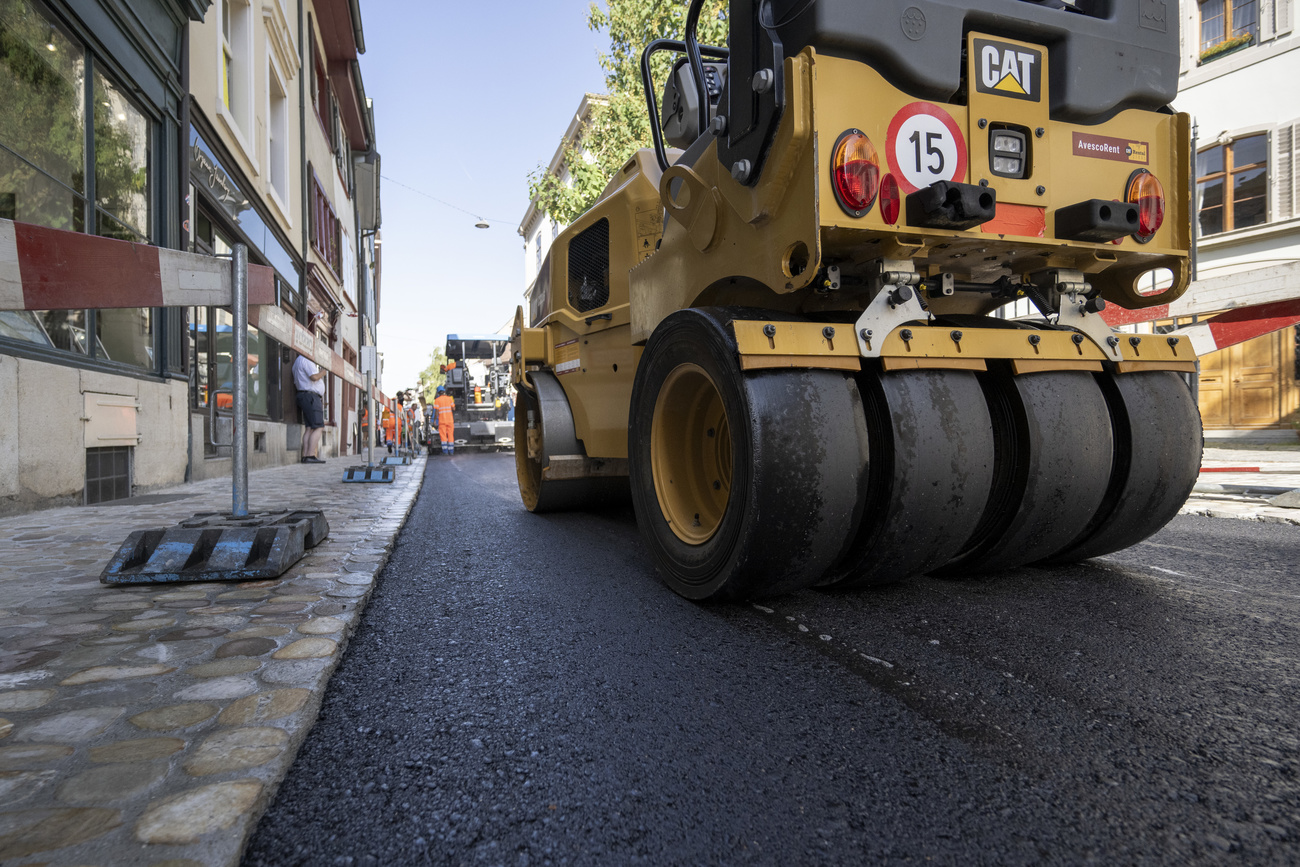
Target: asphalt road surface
[(523, 690)]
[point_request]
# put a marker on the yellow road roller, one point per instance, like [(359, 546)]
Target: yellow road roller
[(783, 328)]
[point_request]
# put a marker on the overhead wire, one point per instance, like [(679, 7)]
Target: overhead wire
[(442, 201)]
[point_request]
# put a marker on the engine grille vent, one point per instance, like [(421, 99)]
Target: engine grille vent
[(589, 268)]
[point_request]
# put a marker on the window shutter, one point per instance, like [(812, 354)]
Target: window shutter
[(1286, 178), (1267, 19), (1282, 17)]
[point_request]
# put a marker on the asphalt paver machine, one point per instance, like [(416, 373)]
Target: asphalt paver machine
[(783, 328), (479, 382)]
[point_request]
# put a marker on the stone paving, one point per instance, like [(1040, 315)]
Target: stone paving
[(151, 725), (1279, 467)]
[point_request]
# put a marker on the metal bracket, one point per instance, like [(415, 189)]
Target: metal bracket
[(896, 302), (1070, 289)]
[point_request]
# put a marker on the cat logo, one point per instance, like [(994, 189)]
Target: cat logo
[(1008, 70)]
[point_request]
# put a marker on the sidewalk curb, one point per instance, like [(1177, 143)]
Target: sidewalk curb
[(281, 766), (1240, 510)]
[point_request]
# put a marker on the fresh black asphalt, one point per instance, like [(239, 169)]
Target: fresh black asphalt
[(523, 690)]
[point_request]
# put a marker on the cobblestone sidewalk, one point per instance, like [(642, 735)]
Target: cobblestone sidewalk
[(150, 725)]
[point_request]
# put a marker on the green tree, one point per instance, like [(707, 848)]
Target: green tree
[(619, 125), (431, 377)]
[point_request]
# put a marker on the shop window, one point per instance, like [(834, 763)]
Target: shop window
[(214, 362), (121, 165), (1232, 184), (1227, 24), (47, 178), (42, 138), (212, 343), (127, 335), (65, 329), (200, 371)]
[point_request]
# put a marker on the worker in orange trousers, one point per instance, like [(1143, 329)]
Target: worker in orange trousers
[(443, 407)]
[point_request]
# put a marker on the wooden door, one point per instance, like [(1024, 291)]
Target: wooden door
[(1240, 387), (1255, 383), (1214, 390)]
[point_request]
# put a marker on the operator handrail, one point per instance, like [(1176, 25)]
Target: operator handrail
[(652, 101)]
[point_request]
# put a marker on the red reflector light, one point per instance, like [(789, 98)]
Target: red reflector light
[(855, 172), (891, 199), (1145, 191)]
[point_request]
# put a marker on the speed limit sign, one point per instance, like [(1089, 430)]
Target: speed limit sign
[(924, 145)]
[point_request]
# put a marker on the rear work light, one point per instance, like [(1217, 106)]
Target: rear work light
[(855, 172), (1145, 192)]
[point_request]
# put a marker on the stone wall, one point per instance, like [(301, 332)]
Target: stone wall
[(42, 432)]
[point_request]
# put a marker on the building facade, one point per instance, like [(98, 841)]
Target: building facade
[(92, 100), (1241, 59), (278, 121), (188, 125)]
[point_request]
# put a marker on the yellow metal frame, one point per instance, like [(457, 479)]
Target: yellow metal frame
[(831, 346)]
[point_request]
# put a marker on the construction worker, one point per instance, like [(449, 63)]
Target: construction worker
[(389, 424), (444, 406)]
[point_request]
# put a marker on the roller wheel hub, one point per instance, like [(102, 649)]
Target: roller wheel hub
[(690, 450)]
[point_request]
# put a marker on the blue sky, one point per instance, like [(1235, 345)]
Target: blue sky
[(469, 98)]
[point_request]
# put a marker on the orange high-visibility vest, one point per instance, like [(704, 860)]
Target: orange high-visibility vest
[(444, 405)]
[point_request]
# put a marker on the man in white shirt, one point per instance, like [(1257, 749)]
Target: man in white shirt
[(308, 380)]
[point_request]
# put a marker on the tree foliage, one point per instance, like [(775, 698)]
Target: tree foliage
[(619, 124), (431, 377)]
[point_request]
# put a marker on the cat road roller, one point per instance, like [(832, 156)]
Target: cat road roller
[(780, 327)]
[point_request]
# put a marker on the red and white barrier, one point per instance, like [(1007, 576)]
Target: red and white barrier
[(49, 269), (1240, 325)]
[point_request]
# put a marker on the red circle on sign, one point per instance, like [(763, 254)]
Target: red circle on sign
[(908, 112)]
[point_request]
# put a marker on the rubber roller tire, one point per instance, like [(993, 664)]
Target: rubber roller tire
[(930, 471), (1053, 448), (1158, 442), (744, 484)]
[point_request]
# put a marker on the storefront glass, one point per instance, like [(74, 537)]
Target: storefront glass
[(212, 329), (43, 174), (121, 164), (42, 137), (127, 335)]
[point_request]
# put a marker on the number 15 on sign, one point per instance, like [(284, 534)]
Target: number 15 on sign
[(924, 145)]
